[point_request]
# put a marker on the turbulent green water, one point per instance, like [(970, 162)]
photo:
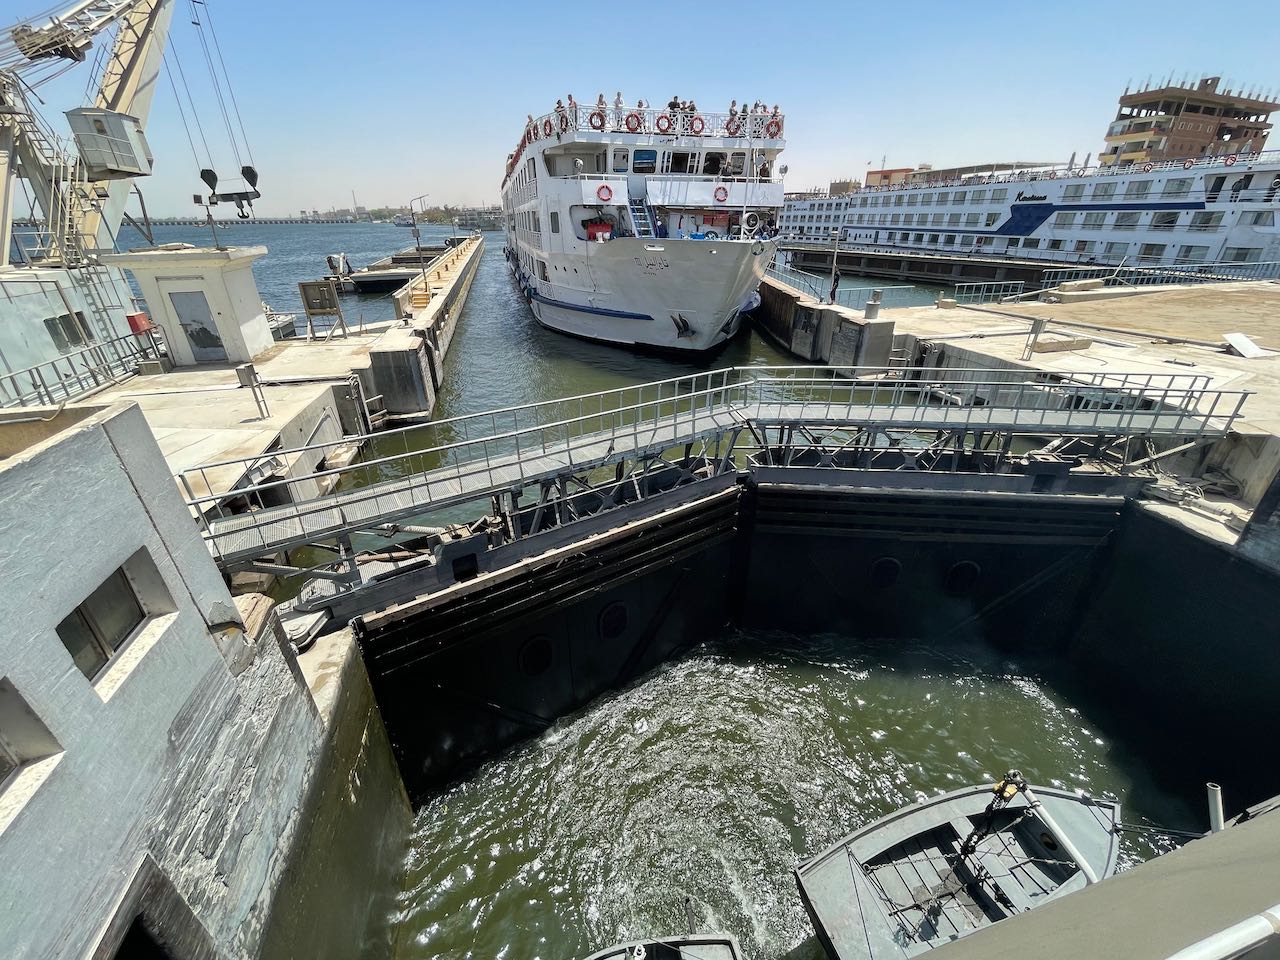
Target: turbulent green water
[(711, 776)]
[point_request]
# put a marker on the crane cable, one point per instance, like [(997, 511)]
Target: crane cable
[(217, 85), (231, 90)]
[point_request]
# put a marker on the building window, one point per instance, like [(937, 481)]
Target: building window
[(24, 739), (1127, 221), (96, 630), (1164, 221), (66, 331)]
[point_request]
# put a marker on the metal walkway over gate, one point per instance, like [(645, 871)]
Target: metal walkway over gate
[(613, 446)]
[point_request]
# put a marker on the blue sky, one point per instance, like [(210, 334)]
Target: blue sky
[(395, 98)]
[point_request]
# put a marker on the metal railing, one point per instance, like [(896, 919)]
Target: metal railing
[(427, 467), (988, 291), (74, 374), (1138, 275), (853, 297), (589, 118), (1055, 171)]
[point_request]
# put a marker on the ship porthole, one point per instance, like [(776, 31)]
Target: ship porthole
[(536, 655), (885, 571), (612, 622), (962, 577), (1048, 841)]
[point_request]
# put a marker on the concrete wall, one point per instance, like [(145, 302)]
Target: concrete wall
[(30, 296), (822, 333), (197, 747)]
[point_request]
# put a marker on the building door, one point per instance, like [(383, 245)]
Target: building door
[(196, 320)]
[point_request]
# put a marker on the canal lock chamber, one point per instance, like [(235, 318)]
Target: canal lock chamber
[(1162, 638)]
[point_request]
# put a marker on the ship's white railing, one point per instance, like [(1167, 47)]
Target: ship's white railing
[(686, 177), (660, 122), (985, 252), (1057, 171), (1141, 275)]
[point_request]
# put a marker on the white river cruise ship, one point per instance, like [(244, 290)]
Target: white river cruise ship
[(644, 228), (1213, 209)]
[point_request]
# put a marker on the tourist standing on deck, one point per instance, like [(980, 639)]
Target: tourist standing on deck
[(619, 109)]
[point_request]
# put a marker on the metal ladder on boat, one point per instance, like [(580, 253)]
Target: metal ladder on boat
[(640, 218)]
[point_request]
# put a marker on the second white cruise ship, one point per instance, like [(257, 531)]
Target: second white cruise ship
[(644, 228)]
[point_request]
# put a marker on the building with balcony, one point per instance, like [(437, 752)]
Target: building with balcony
[(1176, 121)]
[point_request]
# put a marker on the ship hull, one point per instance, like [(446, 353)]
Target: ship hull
[(662, 296)]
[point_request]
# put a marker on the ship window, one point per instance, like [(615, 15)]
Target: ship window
[(1191, 254), (1116, 249), (24, 738), (1242, 254), (1151, 251), (1055, 244), (644, 161), (1103, 191), (1073, 191), (1064, 220), (933, 238), (926, 199), (1030, 243), (621, 162), (1206, 221), (949, 240), (992, 218), (953, 220), (978, 196), (1259, 218), (737, 163), (999, 196), (958, 196), (970, 219), (679, 162), (555, 221), (912, 199), (1164, 221), (1179, 187), (1138, 188), (713, 164), (542, 270), (1127, 221)]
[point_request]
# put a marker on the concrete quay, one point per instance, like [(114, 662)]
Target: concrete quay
[(314, 390), (1216, 489)]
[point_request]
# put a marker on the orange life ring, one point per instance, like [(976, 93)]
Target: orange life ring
[(722, 194), (1053, 175), (773, 128), (633, 122), (605, 193), (664, 123), (546, 127), (732, 126), (1148, 167), (1188, 164), (697, 125), (1230, 161), (596, 120)]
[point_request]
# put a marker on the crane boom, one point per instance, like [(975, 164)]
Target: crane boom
[(69, 34)]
